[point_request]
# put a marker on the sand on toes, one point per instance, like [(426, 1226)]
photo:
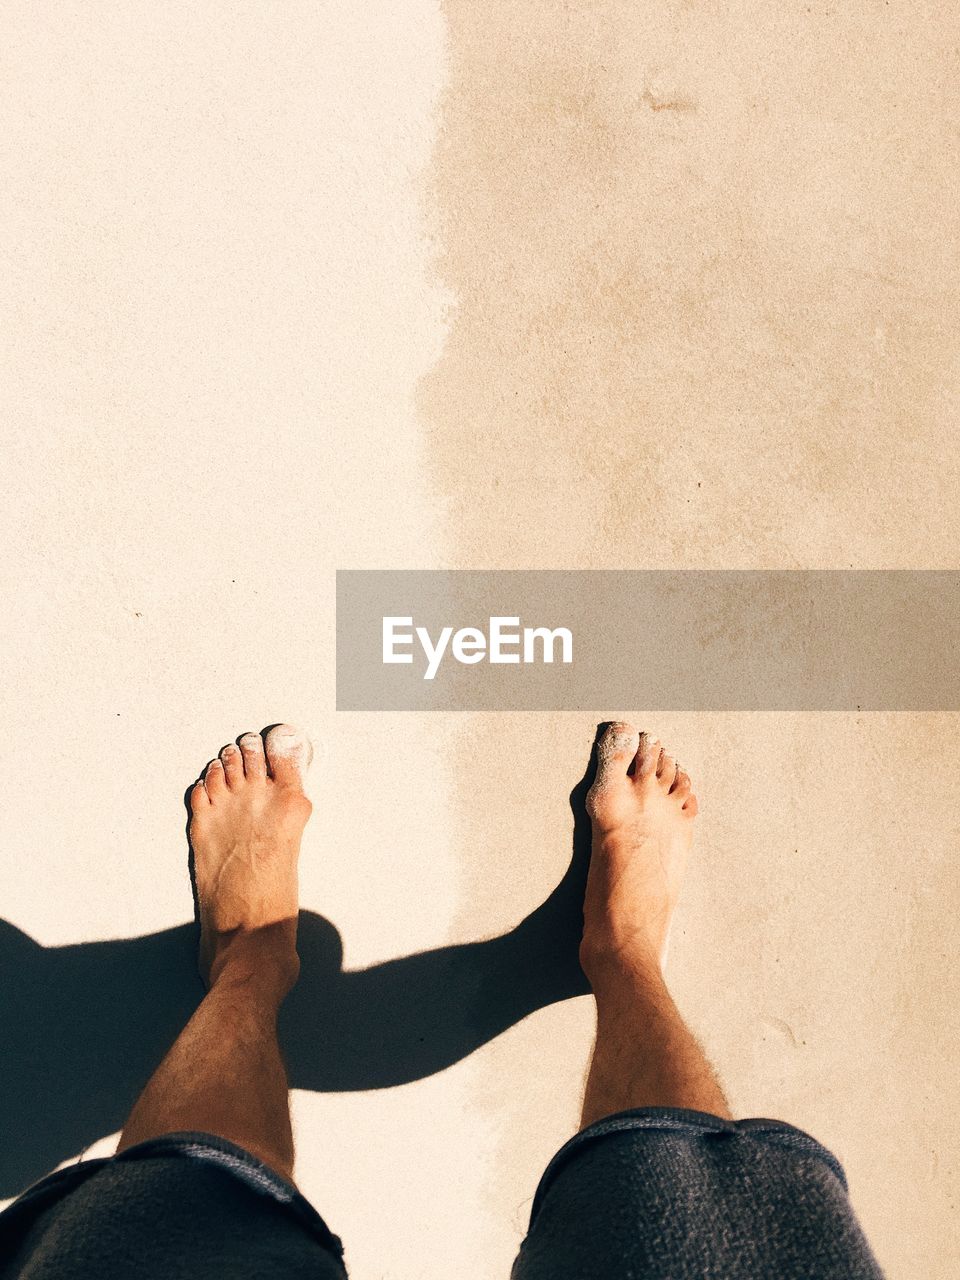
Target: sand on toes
[(247, 815), (641, 808)]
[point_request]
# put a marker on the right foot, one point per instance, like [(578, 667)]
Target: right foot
[(247, 817), (641, 807)]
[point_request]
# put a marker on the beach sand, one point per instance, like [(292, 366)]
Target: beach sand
[(459, 286)]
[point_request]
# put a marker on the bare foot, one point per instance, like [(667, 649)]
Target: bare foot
[(247, 817), (642, 808)]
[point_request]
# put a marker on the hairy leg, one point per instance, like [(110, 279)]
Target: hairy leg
[(642, 809), (224, 1075)]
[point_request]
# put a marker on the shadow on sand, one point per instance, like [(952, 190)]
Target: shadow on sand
[(85, 1025)]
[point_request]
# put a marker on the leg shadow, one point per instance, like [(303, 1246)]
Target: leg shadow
[(86, 1025)]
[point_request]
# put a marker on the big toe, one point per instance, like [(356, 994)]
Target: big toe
[(615, 752), (289, 753)]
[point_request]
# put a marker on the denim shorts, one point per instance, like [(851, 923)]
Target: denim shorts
[(659, 1193)]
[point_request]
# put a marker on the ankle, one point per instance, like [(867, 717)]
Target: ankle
[(616, 967), (261, 961)]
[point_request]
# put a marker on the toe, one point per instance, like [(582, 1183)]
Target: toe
[(690, 807), (648, 756), (232, 765), (214, 779), (288, 754), (615, 751), (682, 785), (667, 771), (198, 797), (254, 761)]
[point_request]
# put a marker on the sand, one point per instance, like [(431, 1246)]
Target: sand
[(471, 287)]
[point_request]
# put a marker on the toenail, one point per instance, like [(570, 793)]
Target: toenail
[(618, 739)]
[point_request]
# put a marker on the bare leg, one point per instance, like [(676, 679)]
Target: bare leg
[(224, 1075), (642, 810)]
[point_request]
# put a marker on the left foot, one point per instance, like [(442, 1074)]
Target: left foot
[(248, 813)]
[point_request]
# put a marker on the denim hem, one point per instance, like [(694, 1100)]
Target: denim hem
[(208, 1148), (694, 1123)]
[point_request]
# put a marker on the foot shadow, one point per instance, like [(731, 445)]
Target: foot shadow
[(86, 1025)]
